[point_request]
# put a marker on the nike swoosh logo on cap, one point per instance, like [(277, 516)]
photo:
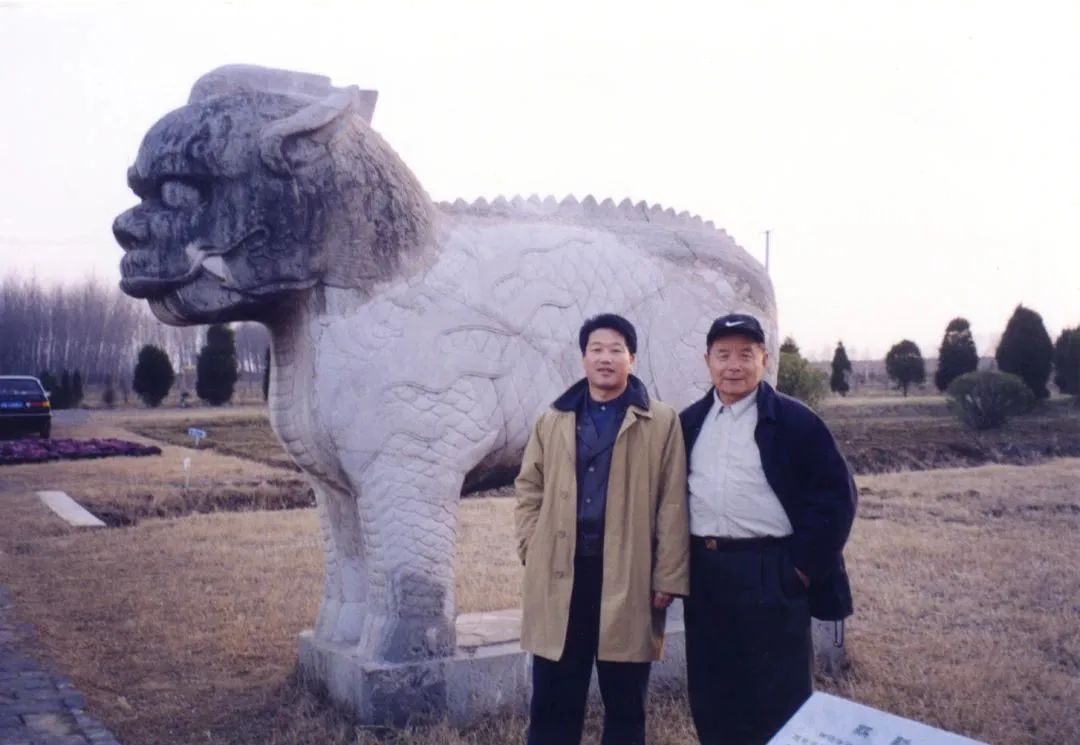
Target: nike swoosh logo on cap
[(733, 323)]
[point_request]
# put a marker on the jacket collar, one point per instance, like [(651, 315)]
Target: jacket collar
[(766, 402), (736, 409), (574, 396)]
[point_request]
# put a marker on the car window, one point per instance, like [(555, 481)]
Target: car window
[(20, 388)]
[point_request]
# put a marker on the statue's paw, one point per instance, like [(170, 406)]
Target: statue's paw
[(405, 639)]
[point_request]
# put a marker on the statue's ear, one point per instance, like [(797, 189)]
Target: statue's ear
[(364, 103), (289, 144)]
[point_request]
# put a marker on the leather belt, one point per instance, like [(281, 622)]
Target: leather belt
[(726, 543)]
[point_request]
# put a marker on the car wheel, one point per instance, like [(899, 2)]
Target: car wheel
[(45, 431)]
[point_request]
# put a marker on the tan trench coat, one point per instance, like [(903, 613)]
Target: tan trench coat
[(646, 539)]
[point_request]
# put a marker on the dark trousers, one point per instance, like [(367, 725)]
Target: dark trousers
[(561, 688), (748, 646)]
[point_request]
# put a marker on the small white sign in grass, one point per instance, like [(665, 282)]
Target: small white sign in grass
[(198, 434), (830, 720)]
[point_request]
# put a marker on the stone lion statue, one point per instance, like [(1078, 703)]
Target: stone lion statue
[(413, 343)]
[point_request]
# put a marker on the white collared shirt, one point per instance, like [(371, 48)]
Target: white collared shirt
[(729, 495)]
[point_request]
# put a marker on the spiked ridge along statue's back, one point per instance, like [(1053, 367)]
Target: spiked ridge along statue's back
[(413, 343)]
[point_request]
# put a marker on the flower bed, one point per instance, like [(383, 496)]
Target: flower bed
[(32, 450)]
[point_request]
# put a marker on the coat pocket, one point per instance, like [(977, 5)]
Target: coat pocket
[(560, 560), (790, 583)]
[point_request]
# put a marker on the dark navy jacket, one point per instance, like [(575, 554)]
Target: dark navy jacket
[(814, 484)]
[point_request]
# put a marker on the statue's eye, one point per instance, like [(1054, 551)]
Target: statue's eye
[(178, 195)]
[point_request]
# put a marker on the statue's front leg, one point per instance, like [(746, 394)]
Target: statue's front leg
[(405, 463), (407, 508), (347, 584)]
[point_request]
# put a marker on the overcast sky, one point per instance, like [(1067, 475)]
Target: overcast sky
[(914, 161)]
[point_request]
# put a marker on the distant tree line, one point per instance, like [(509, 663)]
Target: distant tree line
[(90, 332), (1025, 359), (93, 328), (216, 370), (1025, 351)]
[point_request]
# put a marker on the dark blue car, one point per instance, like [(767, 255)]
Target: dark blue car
[(24, 406)]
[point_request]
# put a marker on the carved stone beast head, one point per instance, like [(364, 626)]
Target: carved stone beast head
[(266, 183)]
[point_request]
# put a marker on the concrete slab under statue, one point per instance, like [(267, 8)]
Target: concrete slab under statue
[(488, 673), (413, 344)]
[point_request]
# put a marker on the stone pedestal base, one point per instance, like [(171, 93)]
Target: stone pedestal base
[(489, 674), (830, 654), (490, 679)]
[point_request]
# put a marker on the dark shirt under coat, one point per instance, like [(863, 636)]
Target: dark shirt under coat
[(814, 484), (598, 425)]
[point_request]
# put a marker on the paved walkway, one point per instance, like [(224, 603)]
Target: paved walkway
[(38, 707)]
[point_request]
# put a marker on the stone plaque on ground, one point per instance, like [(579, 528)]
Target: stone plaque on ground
[(830, 720), (69, 510)]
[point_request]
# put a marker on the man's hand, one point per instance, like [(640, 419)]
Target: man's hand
[(802, 577), (661, 600)]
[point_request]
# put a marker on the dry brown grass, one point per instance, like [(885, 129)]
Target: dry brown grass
[(921, 435), (242, 430), (184, 630), (189, 625), (967, 587), (176, 626), (879, 406)]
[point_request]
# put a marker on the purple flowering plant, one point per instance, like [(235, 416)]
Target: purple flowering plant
[(33, 450)]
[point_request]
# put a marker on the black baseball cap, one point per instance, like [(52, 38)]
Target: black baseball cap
[(735, 323)]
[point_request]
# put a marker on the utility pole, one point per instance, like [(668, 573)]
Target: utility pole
[(767, 251)]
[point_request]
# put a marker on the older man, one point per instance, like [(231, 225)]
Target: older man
[(771, 505), (602, 528)]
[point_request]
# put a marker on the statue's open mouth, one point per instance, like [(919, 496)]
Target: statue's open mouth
[(201, 258), (142, 286)]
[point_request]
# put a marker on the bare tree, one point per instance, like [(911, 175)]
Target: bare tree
[(88, 326), (251, 343)]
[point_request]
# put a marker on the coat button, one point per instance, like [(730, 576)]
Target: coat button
[(561, 534), (565, 495)]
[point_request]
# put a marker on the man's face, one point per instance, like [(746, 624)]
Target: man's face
[(736, 366), (608, 361)]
